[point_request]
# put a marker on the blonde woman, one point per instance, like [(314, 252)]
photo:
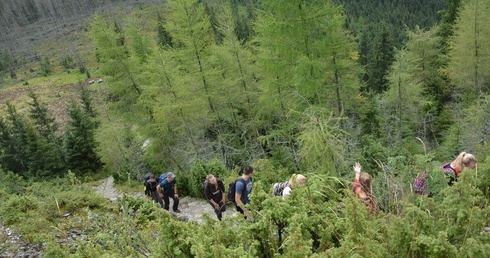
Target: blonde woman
[(214, 192), (295, 180), (362, 187), (453, 169)]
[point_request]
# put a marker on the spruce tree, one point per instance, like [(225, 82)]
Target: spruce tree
[(45, 142), (80, 144), (14, 153)]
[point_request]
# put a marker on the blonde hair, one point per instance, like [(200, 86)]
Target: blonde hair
[(296, 180), (209, 176), (463, 160), (365, 180)]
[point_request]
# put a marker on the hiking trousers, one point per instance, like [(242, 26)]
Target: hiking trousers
[(166, 199)]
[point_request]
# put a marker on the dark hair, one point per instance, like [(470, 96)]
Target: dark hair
[(248, 170)]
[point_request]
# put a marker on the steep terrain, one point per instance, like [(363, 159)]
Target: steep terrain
[(14, 245)]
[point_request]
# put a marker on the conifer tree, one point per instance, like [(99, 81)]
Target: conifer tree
[(123, 73), (307, 60), (469, 50), (189, 25), (14, 153), (383, 56), (80, 144), (45, 143), (164, 38), (401, 103)]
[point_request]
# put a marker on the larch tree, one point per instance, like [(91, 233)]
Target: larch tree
[(402, 101), (120, 66), (469, 50), (307, 61), (425, 46)]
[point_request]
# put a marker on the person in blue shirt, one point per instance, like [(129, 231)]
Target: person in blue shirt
[(243, 188), (168, 189)]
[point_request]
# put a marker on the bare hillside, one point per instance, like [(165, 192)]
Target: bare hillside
[(27, 26)]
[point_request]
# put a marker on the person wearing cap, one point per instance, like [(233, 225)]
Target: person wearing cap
[(167, 188)]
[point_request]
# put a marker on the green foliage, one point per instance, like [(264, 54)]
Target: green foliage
[(199, 173), (80, 144), (321, 147), (469, 54), (67, 62), (33, 148), (16, 209), (45, 67), (44, 144), (13, 74), (283, 98), (13, 142), (11, 183)]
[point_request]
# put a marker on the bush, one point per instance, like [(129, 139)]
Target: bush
[(12, 183), (16, 208), (199, 172)]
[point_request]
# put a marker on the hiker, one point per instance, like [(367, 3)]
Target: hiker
[(168, 189), (453, 169), (363, 189), (151, 189), (214, 194), (243, 190), (295, 180)]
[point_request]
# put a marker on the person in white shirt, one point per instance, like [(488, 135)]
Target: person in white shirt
[(295, 180)]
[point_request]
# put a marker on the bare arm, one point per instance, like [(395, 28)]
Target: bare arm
[(159, 191), (238, 201), (357, 169)]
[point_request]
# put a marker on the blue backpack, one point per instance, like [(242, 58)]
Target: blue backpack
[(162, 177)]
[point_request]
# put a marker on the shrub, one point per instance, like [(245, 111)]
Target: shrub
[(15, 208)]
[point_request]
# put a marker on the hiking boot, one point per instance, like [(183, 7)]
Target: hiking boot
[(177, 211)]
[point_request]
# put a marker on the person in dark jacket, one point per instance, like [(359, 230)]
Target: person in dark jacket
[(151, 190), (167, 188), (214, 194)]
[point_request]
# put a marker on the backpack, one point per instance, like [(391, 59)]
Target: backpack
[(278, 188), (420, 186), (163, 177), (204, 185), (146, 177), (232, 189)]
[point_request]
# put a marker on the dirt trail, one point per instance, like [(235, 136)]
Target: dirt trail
[(191, 208)]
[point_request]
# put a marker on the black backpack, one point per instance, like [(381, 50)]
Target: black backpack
[(204, 185), (232, 189), (147, 177)]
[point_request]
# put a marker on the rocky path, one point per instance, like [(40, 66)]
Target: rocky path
[(191, 208)]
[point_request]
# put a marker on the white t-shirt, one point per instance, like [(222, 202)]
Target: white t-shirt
[(286, 192)]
